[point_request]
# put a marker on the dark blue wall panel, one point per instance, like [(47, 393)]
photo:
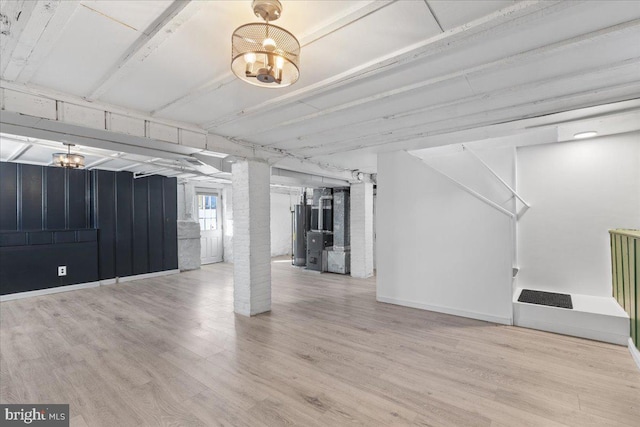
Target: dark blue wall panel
[(78, 199), (156, 222), (104, 195), (30, 198), (124, 230), (8, 196), (134, 219), (56, 199), (34, 263), (140, 227)]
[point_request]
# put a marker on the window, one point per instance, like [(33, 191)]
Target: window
[(208, 212)]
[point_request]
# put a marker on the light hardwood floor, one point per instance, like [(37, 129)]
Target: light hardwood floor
[(170, 351)]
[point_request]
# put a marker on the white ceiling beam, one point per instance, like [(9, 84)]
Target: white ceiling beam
[(631, 64), (15, 18), (44, 92), (21, 124), (504, 18), (478, 119), (32, 50), (341, 21), (104, 160), (179, 12), (19, 152), (488, 67)]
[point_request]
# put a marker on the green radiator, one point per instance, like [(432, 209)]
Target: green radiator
[(625, 266)]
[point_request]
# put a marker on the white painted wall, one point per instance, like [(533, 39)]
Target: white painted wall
[(577, 191), (281, 206), (438, 247)]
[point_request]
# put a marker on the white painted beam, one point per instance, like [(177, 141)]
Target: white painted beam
[(458, 36), (40, 44), (50, 128), (179, 12), (401, 127), (19, 152), (349, 17), (488, 67), (15, 16), (419, 136)]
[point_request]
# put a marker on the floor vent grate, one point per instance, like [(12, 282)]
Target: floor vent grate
[(546, 298)]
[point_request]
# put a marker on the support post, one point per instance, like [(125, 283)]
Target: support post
[(252, 237), (361, 229)]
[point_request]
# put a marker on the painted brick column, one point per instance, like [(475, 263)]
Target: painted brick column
[(362, 229), (251, 237)]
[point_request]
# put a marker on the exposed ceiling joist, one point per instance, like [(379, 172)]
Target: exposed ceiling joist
[(19, 152), (398, 123), (179, 12), (104, 160), (341, 21), (32, 50), (521, 57), (16, 19), (477, 120), (464, 34), (314, 34)]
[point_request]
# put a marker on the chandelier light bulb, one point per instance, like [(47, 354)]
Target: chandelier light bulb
[(269, 44), (250, 57), (279, 62)]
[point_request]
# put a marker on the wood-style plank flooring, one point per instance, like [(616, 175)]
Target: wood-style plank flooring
[(170, 351)]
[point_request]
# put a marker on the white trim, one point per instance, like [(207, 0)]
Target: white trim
[(65, 288), (147, 275), (447, 310), (39, 292), (634, 352), (574, 331)]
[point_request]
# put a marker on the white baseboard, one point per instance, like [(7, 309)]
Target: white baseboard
[(48, 291), (66, 288), (447, 310), (634, 352), (145, 276)]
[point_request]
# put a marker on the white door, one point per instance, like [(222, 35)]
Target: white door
[(210, 228)]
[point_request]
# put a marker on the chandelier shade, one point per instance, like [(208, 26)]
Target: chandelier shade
[(265, 55)]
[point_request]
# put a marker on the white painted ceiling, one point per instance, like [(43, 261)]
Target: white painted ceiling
[(375, 75)]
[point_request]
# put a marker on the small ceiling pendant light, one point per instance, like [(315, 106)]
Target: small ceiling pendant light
[(263, 54), (587, 134), (68, 160)]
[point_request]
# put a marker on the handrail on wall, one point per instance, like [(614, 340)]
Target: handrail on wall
[(625, 269), (495, 174), (467, 189)]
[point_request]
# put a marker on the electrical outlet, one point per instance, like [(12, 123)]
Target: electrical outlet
[(62, 270)]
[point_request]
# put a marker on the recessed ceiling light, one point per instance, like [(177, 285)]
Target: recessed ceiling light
[(587, 134)]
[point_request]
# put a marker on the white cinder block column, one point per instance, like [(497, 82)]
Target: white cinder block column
[(252, 237), (362, 229)]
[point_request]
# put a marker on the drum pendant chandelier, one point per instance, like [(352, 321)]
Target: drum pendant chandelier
[(68, 160), (263, 54)]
